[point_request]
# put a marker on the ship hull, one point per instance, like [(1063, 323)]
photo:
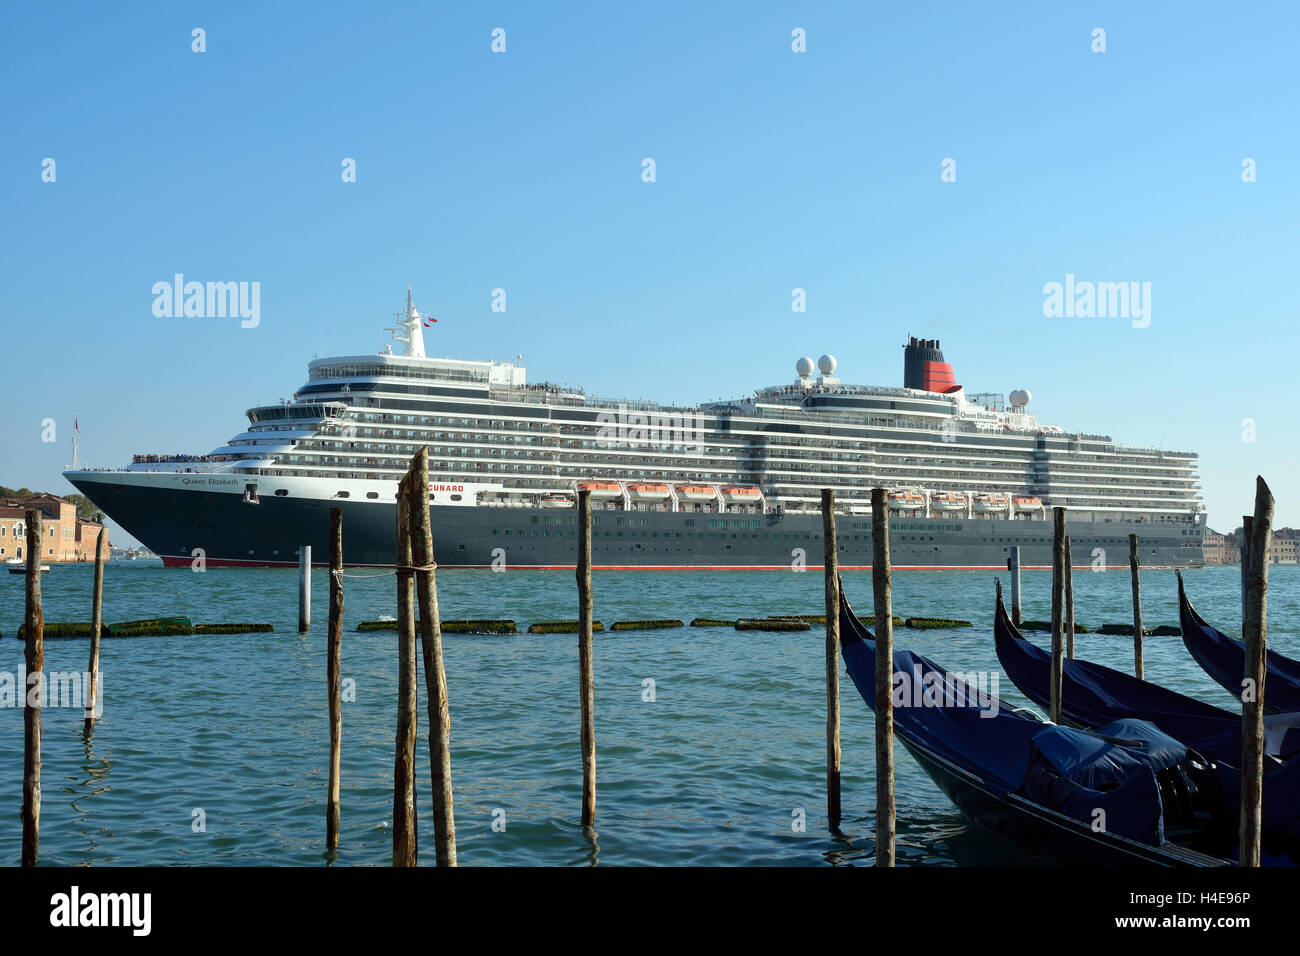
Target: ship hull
[(184, 525)]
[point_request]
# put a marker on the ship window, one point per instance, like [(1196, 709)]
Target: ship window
[(369, 494), (281, 492), (343, 494), (455, 497)]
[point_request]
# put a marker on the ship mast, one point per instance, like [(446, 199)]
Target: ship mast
[(409, 331)]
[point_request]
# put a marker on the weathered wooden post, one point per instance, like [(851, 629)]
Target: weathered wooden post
[(435, 674), (1058, 601), (586, 672), (1252, 706), (96, 622), (1137, 604), (1069, 600), (333, 680), (1247, 522), (34, 648), (881, 591), (404, 819), (831, 563), (304, 588), (1013, 566)]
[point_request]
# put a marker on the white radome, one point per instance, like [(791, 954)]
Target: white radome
[(804, 366), (826, 364), (1019, 398)]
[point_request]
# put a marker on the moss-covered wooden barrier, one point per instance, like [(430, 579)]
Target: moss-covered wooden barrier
[(1047, 626), (161, 627), (561, 627), (934, 623), (712, 622), (1126, 630), (233, 628), (772, 624), (450, 627), (477, 627), (871, 619), (64, 629), (653, 625)]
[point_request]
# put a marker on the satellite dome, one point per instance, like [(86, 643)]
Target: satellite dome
[(1019, 398), (826, 364), (804, 366)]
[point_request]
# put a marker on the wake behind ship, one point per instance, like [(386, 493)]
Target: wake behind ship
[(723, 485)]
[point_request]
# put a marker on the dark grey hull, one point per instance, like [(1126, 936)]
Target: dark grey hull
[(229, 531)]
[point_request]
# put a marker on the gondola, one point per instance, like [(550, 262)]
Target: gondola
[(1224, 659), (1093, 695), (1123, 794)]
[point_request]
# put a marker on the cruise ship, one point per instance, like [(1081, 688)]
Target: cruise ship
[(719, 485)]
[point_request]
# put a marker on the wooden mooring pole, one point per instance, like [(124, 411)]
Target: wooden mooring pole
[(1247, 523), (1252, 706), (1069, 600), (586, 672), (304, 588), (1133, 566), (34, 652), (333, 680), (1013, 565), (96, 622), (882, 592), (1058, 601), (404, 819), (435, 674), (831, 564)]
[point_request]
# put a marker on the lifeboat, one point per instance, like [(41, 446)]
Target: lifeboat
[(556, 501), (986, 504), (1026, 504), (601, 490), (697, 493), (948, 501), (906, 500), (741, 495), (653, 492)]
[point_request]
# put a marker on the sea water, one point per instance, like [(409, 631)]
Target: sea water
[(213, 750)]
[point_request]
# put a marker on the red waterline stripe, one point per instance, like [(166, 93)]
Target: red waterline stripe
[(173, 561)]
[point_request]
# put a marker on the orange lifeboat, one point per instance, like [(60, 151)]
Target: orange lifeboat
[(603, 490), (1026, 504), (648, 492), (741, 495), (906, 500), (948, 501), (986, 504), (697, 493)]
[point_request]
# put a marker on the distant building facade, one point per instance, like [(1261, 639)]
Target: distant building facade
[(66, 536), (1214, 545), (1226, 549)]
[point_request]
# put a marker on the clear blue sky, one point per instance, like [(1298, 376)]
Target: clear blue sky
[(775, 170)]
